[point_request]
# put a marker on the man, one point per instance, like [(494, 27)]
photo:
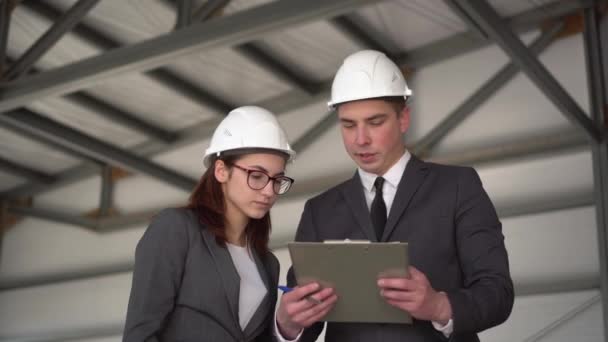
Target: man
[(459, 280)]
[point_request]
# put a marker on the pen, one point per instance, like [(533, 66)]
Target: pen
[(286, 289)]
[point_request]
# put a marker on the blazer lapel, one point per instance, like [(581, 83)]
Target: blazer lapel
[(259, 317), (355, 199), (414, 175), (228, 274)]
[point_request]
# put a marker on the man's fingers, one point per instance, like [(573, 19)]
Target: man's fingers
[(298, 305), (402, 284), (402, 296), (302, 291)]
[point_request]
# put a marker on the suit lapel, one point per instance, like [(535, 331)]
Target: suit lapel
[(355, 199), (228, 274), (414, 175), (261, 313)]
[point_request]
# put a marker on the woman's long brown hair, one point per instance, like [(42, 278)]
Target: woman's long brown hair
[(208, 201)]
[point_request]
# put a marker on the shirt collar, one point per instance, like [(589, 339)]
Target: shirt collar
[(392, 176)]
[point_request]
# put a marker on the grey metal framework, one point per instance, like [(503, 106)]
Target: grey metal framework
[(21, 83), (597, 73), (50, 37), (455, 45), (487, 18)]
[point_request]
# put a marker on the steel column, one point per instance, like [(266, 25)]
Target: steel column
[(595, 57), (5, 24), (107, 191)]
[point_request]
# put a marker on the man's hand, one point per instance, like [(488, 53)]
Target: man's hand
[(296, 312), (416, 296)]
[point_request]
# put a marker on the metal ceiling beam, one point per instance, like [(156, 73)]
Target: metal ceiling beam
[(50, 38), (466, 19), (228, 31), (189, 90), (25, 172), (328, 121), (92, 147), (163, 76), (461, 43), (551, 144), (187, 137), (184, 14), (122, 222), (54, 216), (81, 30), (453, 46), (350, 25), (479, 97), (254, 52), (548, 144), (90, 163), (118, 116), (64, 178), (208, 9), (596, 56), (571, 201), (494, 25), (276, 242)]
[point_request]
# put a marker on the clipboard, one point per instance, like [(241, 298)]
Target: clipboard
[(352, 270)]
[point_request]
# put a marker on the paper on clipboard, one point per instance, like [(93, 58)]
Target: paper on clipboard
[(352, 269)]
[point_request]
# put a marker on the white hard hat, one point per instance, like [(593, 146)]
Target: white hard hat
[(248, 127), (367, 74)]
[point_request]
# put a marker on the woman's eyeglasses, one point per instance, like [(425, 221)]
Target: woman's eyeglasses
[(257, 180)]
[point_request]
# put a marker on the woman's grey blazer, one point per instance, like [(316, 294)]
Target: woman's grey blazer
[(186, 287)]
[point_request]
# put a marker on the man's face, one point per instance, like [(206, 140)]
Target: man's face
[(372, 131)]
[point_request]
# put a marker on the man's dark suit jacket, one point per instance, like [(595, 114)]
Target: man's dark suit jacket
[(454, 238), (186, 288)]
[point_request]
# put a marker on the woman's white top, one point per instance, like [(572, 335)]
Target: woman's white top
[(252, 288)]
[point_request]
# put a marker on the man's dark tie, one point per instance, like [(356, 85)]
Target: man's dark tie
[(378, 209)]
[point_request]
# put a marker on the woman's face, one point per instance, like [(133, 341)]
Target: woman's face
[(240, 198)]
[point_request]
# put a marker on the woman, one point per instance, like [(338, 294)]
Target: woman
[(204, 272)]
